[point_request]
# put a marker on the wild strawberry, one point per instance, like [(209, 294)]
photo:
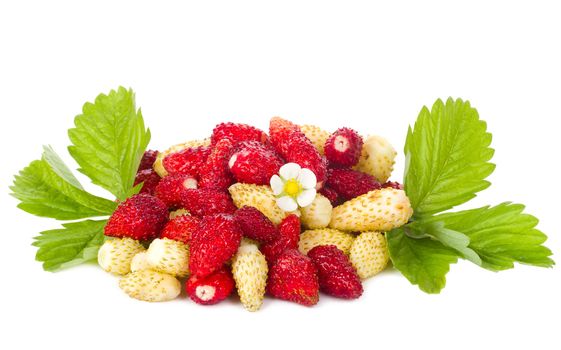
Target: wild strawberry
[(255, 163), (326, 236), (255, 225), (379, 210), (149, 180), (279, 132), (214, 173), (317, 214), (330, 194), (343, 147), (168, 256), (289, 234), (181, 228), (316, 135), (203, 201), (188, 161), (377, 158), (249, 269), (177, 162), (236, 133), (148, 159), (211, 289), (294, 147), (214, 243), (140, 217), (260, 197), (150, 285), (392, 184), (170, 188), (293, 277), (337, 277), (369, 254), (350, 183), (115, 255)]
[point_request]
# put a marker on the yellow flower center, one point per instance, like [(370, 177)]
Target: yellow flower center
[(292, 188)]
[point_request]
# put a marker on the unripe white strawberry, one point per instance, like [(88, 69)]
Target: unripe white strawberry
[(115, 255), (140, 262), (369, 254), (317, 135), (168, 256), (178, 212), (377, 158), (260, 197), (318, 214), (150, 285), (379, 210), (325, 236), (250, 270)]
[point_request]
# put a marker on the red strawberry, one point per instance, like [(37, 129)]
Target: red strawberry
[(295, 147), (289, 235), (255, 225), (350, 183), (214, 243), (394, 185), (254, 163), (148, 159), (211, 289), (188, 161), (330, 194), (343, 147), (181, 228), (171, 187), (140, 217), (236, 133), (215, 173), (203, 201), (279, 132), (294, 277), (149, 179), (337, 277)]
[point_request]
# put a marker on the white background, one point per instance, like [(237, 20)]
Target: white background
[(368, 65)]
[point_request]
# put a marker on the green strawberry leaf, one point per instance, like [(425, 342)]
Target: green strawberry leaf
[(447, 157), (501, 235), (423, 261), (108, 141), (74, 244), (47, 188)]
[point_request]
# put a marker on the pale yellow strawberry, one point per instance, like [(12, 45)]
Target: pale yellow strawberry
[(260, 197), (168, 256), (158, 164), (140, 262), (317, 214), (325, 236), (369, 254), (150, 285), (379, 210), (317, 135), (178, 212), (377, 158), (249, 269), (116, 254)]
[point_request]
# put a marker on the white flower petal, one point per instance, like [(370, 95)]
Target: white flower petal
[(307, 179), (277, 185), (306, 197), (289, 171), (287, 203)]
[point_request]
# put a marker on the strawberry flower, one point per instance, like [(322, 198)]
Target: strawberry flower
[(294, 187)]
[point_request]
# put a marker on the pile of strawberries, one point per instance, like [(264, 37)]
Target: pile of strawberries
[(207, 215)]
